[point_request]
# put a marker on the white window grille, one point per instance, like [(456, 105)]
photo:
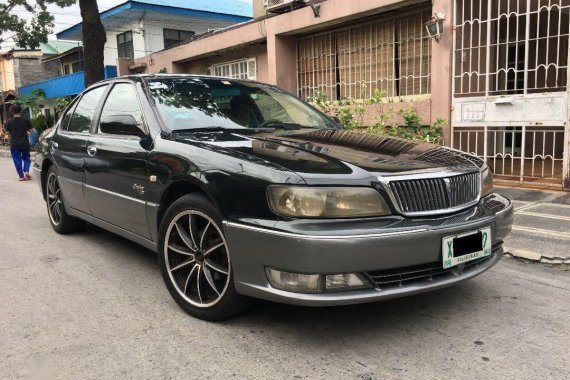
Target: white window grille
[(521, 154), (243, 69), (511, 46), (510, 72), (392, 54)]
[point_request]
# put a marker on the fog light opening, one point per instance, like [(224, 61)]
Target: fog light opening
[(346, 281), (294, 282)]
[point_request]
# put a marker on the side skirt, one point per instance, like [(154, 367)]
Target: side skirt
[(114, 229)]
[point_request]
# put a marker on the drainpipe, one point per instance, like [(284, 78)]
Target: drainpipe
[(316, 8)]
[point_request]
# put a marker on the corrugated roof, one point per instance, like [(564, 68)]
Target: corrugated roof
[(58, 47), (232, 7), (50, 48), (228, 10)]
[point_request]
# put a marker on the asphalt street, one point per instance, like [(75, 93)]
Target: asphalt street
[(93, 305)]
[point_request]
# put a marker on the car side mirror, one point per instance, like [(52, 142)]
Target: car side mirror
[(124, 124)]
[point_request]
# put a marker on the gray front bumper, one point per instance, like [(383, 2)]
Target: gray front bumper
[(357, 246)]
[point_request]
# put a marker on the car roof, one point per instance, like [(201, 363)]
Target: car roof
[(142, 77)]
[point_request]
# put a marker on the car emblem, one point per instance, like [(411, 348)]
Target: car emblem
[(138, 188), (447, 182)]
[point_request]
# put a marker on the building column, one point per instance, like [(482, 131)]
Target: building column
[(441, 70), (282, 61)]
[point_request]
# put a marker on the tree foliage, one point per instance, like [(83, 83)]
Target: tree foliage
[(27, 32)]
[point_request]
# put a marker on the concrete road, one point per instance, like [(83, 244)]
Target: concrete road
[(93, 305), (541, 229)]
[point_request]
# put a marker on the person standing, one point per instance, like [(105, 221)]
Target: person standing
[(19, 127)]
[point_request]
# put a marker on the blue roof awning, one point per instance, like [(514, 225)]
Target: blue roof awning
[(66, 85), (224, 10)]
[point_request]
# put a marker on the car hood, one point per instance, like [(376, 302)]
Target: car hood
[(325, 153)]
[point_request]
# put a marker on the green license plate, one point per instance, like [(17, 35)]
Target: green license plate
[(459, 249)]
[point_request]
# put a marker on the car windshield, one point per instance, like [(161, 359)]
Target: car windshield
[(202, 103)]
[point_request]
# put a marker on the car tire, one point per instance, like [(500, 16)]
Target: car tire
[(61, 222), (195, 260)]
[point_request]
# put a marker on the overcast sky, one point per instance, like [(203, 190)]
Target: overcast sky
[(66, 17)]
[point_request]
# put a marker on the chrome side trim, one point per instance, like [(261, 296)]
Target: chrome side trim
[(150, 204), (116, 194), (320, 237), (74, 182)]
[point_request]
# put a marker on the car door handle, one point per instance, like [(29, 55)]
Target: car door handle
[(92, 151)]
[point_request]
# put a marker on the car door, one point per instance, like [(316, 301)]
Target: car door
[(69, 144), (116, 171)]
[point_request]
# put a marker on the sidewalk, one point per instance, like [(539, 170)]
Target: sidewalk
[(541, 230), (5, 151)]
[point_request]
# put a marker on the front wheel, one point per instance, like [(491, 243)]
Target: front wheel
[(195, 260)]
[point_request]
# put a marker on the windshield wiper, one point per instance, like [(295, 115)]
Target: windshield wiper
[(206, 129), (275, 124)]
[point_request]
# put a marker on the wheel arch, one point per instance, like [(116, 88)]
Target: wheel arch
[(46, 164), (178, 189)]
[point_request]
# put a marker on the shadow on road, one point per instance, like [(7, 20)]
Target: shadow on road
[(313, 325)]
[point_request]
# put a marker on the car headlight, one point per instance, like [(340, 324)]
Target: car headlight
[(326, 202), (486, 182)]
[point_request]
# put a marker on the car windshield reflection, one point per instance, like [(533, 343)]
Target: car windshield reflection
[(186, 104)]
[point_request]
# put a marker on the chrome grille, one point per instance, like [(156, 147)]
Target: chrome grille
[(436, 195)]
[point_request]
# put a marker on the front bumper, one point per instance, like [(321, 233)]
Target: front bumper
[(364, 246)]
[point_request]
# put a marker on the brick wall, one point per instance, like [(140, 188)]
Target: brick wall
[(30, 70)]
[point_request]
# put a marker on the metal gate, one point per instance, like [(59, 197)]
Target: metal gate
[(510, 86)]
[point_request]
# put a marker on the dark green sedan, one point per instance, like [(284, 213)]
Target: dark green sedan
[(245, 192)]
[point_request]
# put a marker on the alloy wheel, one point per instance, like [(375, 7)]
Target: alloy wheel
[(54, 201), (197, 258)]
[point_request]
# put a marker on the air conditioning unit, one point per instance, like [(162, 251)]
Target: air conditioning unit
[(283, 6)]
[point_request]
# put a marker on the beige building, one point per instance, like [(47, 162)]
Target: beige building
[(497, 71)]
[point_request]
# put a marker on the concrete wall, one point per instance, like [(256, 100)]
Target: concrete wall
[(258, 8), (154, 25), (7, 74), (28, 68)]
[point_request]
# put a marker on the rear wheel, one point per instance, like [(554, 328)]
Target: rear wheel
[(195, 260), (61, 222)]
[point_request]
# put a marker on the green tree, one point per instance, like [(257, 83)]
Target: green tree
[(26, 32)]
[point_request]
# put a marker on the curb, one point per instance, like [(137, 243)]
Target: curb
[(536, 257)]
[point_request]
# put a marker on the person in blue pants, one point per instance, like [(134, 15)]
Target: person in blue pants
[(19, 128)]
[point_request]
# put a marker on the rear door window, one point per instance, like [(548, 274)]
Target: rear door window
[(82, 117)]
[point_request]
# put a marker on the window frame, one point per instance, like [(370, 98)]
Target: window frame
[(229, 66), (121, 44), (178, 31), (95, 128), (73, 106)]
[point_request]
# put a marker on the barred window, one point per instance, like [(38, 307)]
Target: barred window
[(392, 54), (125, 45), (511, 47)]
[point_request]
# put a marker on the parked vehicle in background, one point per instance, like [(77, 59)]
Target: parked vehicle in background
[(246, 191)]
